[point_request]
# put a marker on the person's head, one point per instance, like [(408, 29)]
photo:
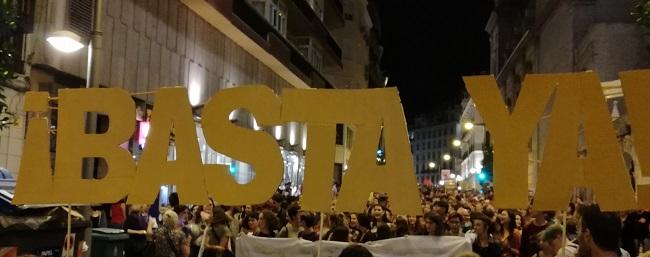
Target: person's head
[(434, 224), (384, 232), (455, 221), (401, 226), (250, 221), (340, 234), (355, 250), (268, 222), (426, 208), (307, 220), (335, 220), (481, 223), (441, 207), (364, 221), (377, 211), (135, 208), (219, 217), (551, 239), (170, 220), (248, 209), (354, 222), (464, 213), (383, 200), (597, 231), (412, 220), (173, 199), (208, 207), (292, 214)]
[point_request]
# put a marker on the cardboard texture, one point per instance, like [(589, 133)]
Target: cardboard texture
[(637, 92), (73, 144), (319, 164), (510, 134), (256, 148), (172, 111), (35, 182), (366, 109)]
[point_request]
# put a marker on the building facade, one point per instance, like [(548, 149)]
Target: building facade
[(555, 36), (429, 145), (204, 46)]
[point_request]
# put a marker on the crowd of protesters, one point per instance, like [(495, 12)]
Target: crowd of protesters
[(211, 230)]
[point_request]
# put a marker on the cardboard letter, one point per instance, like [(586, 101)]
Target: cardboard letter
[(73, 144), (366, 109), (257, 148), (35, 183), (511, 133), (172, 111), (637, 92), (319, 164), (579, 97)]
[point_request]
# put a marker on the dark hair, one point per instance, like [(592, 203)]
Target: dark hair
[(435, 218), (605, 227), (173, 199), (247, 218), (456, 215), (340, 234), (293, 210), (384, 232), (402, 227), (180, 208), (308, 219), (335, 220), (219, 216), (272, 222), (364, 220), (355, 250), (442, 204)]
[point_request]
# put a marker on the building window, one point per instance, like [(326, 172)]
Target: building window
[(348, 137)]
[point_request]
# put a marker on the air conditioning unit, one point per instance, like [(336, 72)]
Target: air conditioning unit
[(274, 11)]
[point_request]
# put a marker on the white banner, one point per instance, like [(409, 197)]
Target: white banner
[(410, 246)]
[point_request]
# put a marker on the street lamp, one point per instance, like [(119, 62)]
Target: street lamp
[(446, 157), (441, 182), (456, 143), (468, 125), (432, 165), (65, 41)]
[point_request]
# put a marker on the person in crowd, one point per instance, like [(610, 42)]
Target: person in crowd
[(434, 224), (183, 213), (233, 223), (117, 214), (339, 233), (137, 227), (454, 223), (292, 228), (353, 225), (415, 226), (384, 232), (268, 224), (441, 207), (217, 242), (378, 216), (249, 224), (506, 235), (334, 221), (529, 239), (307, 221), (467, 221), (550, 241), (355, 250), (484, 245), (170, 240), (401, 226), (599, 233), (364, 226)]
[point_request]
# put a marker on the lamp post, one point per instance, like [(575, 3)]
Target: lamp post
[(67, 42)]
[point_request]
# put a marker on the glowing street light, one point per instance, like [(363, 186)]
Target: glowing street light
[(65, 41), (456, 143), (452, 175), (459, 178), (468, 125), (446, 157), (441, 182), (432, 165)]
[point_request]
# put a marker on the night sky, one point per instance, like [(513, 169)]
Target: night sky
[(429, 45)]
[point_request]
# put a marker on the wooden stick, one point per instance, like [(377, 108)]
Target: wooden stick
[(69, 231), (320, 233), (564, 233)]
